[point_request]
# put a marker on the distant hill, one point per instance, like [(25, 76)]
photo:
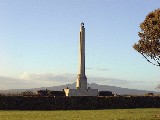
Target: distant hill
[(114, 89)]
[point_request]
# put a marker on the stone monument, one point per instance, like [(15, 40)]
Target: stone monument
[(81, 83)]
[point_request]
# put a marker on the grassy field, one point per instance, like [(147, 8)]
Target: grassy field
[(115, 114)]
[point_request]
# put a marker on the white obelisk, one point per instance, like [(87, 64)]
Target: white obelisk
[(81, 80), (81, 85)]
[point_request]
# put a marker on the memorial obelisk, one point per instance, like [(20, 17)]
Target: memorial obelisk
[(81, 83), (81, 80)]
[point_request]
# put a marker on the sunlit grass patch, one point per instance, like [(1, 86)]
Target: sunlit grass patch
[(111, 114)]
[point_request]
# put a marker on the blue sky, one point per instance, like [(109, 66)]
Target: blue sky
[(39, 43)]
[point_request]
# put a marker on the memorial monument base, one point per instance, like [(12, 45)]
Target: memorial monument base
[(81, 92)]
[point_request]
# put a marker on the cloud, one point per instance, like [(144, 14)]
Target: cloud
[(37, 80), (158, 86), (10, 83), (47, 77), (89, 68), (105, 80), (34, 80), (100, 69), (25, 76)]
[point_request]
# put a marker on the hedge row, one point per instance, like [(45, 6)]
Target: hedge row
[(76, 103)]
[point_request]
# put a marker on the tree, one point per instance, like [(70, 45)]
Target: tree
[(149, 43)]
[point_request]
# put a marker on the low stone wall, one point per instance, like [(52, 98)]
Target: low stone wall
[(76, 103)]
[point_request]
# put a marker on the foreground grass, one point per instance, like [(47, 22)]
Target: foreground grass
[(115, 114)]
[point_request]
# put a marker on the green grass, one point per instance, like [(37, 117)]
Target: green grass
[(115, 114)]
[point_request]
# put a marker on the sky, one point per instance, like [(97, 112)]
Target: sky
[(39, 43)]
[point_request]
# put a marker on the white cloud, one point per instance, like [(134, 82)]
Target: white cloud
[(99, 69), (34, 80), (24, 76), (48, 77)]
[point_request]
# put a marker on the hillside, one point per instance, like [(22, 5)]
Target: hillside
[(114, 89)]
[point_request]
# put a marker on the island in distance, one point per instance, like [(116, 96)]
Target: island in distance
[(113, 89)]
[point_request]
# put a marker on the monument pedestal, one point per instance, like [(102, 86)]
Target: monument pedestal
[(81, 92)]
